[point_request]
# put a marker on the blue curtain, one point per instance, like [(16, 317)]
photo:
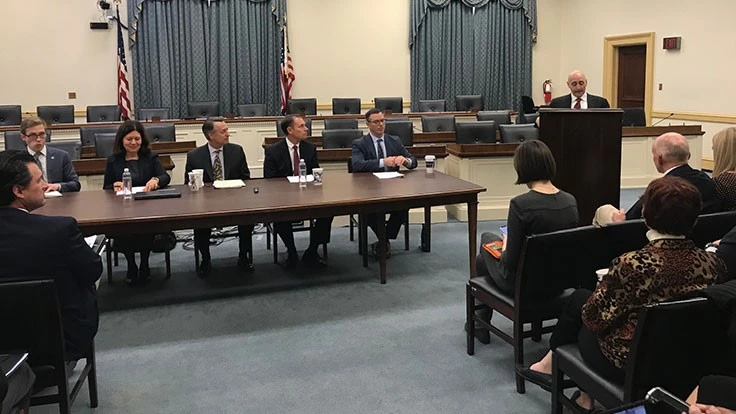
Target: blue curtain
[(193, 50), (472, 47)]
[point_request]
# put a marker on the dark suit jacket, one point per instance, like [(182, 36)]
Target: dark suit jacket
[(566, 102), (236, 166), (365, 159), (149, 166), (33, 246), (708, 194), (727, 253), (60, 170), (278, 162)]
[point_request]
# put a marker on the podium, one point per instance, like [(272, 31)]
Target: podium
[(586, 144)]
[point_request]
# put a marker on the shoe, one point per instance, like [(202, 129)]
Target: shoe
[(131, 278), (144, 276), (245, 265), (374, 250), (481, 334), (536, 377), (313, 260), (574, 400), (291, 261), (204, 267)]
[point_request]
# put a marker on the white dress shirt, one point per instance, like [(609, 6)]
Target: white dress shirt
[(292, 147), (583, 101), (42, 159), (383, 147), (212, 158)]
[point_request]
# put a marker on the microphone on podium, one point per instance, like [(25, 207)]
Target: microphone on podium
[(663, 119)]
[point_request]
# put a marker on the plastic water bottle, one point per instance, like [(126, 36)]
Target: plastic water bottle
[(127, 185), (302, 173)]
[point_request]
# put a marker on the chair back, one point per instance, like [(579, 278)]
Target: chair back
[(306, 106), (518, 132), (501, 117), (56, 114), (527, 104), (340, 138), (87, 133), (160, 132), (104, 144), (440, 123), (10, 115), (203, 109), (620, 238), (345, 106), (530, 118), (341, 123), (251, 110), (281, 133), (73, 148), (395, 104), (469, 103), (103, 113), (147, 114), (481, 132), (403, 129), (14, 141), (633, 117), (432, 105), (710, 227)]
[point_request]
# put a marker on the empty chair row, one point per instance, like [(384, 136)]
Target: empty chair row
[(443, 123), (484, 132), (60, 114)]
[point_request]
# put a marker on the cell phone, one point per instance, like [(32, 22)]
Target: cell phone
[(656, 396), (504, 230)]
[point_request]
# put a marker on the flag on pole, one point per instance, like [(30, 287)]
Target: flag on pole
[(123, 101), (286, 70)]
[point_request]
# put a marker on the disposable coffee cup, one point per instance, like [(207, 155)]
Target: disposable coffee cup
[(600, 273), (199, 173), (193, 181), (318, 173), (429, 163)]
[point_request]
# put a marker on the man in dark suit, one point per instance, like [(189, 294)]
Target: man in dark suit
[(670, 154), (220, 160), (282, 160), (55, 164), (578, 97), (63, 255), (376, 152)]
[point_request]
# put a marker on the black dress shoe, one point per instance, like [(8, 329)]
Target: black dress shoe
[(291, 261), (144, 276), (536, 377), (131, 278), (245, 265), (204, 267), (313, 260)]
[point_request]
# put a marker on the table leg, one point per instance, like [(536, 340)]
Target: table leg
[(472, 233), (381, 228), (427, 246)]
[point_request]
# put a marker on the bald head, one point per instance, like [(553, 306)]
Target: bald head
[(670, 150), (577, 82)]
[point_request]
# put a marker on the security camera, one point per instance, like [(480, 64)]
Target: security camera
[(105, 5)]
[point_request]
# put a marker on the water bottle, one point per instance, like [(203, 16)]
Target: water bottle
[(302, 173), (127, 185)]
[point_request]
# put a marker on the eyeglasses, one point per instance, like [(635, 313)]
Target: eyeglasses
[(378, 121), (35, 136)]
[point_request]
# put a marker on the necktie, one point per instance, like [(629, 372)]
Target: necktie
[(217, 166), (296, 160), (380, 149), (37, 157), (577, 103)]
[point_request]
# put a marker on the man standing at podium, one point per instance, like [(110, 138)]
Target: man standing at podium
[(578, 97)]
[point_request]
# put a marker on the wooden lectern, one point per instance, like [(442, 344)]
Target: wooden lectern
[(586, 145)]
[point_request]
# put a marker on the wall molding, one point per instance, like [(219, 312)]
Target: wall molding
[(610, 67), (696, 116)]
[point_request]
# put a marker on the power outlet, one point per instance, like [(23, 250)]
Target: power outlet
[(660, 86), (72, 95)]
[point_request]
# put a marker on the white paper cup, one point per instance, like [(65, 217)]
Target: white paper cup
[(429, 161), (318, 173), (199, 173), (600, 273), (193, 185)]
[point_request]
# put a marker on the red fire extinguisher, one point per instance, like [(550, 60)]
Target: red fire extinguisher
[(547, 89)]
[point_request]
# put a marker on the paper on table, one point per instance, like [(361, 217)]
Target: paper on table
[(51, 194), (388, 174), (135, 190), (90, 240), (228, 184), (293, 179)]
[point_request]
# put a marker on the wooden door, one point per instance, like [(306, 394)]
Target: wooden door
[(632, 64)]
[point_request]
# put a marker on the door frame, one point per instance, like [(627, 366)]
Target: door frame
[(610, 66)]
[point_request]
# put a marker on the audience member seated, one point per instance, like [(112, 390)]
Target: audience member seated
[(34, 246), (727, 252), (670, 154), (670, 267), (131, 151), (15, 390), (55, 164), (716, 394), (282, 160), (724, 166)]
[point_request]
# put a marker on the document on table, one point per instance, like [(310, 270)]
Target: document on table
[(388, 174), (293, 179), (228, 184), (135, 190), (51, 194)]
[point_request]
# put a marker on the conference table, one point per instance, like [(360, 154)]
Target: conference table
[(269, 200)]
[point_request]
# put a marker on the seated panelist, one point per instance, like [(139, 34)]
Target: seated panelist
[(56, 165), (130, 151)]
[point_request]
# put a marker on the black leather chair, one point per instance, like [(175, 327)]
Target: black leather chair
[(14, 141), (501, 117), (530, 118), (633, 117), (339, 138), (37, 330), (147, 114), (342, 106), (395, 104), (251, 110), (483, 132), (341, 123), (306, 106), (675, 344), (73, 148), (518, 132), (440, 123), (56, 114), (469, 103), (711, 227), (203, 109), (281, 133), (87, 133), (527, 105), (160, 132), (10, 115), (104, 144), (103, 113), (432, 105), (403, 129)]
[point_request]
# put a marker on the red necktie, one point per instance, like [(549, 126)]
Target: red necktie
[(577, 103), (296, 160)]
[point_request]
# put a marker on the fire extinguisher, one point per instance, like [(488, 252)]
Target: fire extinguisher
[(547, 89)]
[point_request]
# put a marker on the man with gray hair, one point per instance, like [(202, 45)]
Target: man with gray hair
[(670, 154)]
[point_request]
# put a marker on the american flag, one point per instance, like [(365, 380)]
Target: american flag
[(286, 70), (123, 85)]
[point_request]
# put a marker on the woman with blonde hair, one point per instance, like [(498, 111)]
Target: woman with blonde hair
[(724, 166)]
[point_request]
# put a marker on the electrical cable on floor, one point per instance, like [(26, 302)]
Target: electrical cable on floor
[(219, 235)]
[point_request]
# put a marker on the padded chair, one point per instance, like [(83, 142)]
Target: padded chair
[(147, 114), (518, 132), (56, 114), (87, 133), (10, 115), (203, 109), (432, 105), (306, 106), (634, 117), (527, 105), (469, 103), (402, 129), (342, 106), (160, 132), (675, 344), (481, 132), (395, 104), (710, 227), (439, 123), (37, 330), (104, 144), (281, 133), (501, 117), (73, 148), (251, 110), (14, 141), (340, 138), (103, 113), (527, 118), (341, 123)]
